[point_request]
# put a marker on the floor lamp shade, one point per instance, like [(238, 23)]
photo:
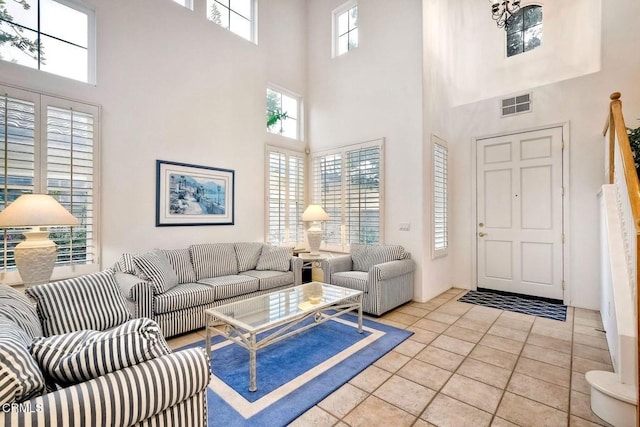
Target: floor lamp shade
[(314, 213), (36, 256)]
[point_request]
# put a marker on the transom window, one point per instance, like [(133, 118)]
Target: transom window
[(524, 30), (186, 3), (283, 111), (236, 16), (345, 28), (56, 36)]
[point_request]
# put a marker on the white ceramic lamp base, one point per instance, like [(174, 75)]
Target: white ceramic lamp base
[(315, 238), (35, 258)]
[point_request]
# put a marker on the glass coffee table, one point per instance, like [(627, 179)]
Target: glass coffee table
[(280, 315)]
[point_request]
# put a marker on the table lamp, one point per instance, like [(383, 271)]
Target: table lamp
[(36, 255), (314, 213)]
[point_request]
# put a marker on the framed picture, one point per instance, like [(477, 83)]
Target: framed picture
[(193, 195)]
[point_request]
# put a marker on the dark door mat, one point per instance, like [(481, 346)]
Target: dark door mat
[(517, 303)]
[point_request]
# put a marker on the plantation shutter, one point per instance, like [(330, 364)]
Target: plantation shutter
[(347, 184), (70, 178), (17, 154), (285, 197), (327, 184), (440, 205), (49, 145), (362, 209)]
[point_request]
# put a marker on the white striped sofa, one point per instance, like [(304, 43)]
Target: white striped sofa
[(168, 390), (206, 275), (383, 272)]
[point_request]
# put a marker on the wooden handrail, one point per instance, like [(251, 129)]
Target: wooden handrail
[(617, 128)]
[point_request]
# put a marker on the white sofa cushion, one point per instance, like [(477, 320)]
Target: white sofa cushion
[(231, 286), (180, 261), (154, 267), (276, 258), (92, 301), (351, 279), (185, 295), (271, 279), (213, 260), (83, 355), (248, 254), (20, 376), (17, 307)]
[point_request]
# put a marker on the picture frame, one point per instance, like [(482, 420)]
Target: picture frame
[(193, 195)]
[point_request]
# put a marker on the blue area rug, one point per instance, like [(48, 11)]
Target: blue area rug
[(294, 374), (525, 304)]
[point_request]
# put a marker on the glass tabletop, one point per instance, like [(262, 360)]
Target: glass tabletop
[(265, 311)]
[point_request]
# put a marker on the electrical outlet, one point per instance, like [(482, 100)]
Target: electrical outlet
[(405, 226)]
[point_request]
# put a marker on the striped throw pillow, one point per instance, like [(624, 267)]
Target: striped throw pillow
[(248, 255), (276, 258), (92, 301), (214, 260), (20, 375), (180, 261), (154, 267), (17, 307), (80, 356), (127, 265)]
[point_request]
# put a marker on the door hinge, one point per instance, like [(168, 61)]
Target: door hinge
[(563, 285), (563, 238), (562, 191), (562, 145)]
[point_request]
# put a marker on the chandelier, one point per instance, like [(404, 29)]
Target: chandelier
[(502, 11)]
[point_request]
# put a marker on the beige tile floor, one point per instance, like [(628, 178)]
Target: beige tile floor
[(467, 365)]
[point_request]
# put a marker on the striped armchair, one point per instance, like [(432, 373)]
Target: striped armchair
[(168, 390), (384, 273)]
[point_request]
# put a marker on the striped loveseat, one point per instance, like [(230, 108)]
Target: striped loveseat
[(174, 287), (155, 386), (383, 272)]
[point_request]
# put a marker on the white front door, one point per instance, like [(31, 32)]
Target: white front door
[(519, 228)]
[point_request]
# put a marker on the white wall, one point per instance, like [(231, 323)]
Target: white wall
[(374, 91), (174, 86), (583, 103), (570, 48)]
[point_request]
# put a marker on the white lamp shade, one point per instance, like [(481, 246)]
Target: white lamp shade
[(314, 213), (36, 210)]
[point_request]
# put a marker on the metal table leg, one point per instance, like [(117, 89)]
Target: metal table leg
[(360, 314), (207, 340), (252, 362)]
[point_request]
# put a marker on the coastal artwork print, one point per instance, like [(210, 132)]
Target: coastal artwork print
[(193, 195)]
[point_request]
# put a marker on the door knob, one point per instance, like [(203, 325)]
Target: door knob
[(481, 234)]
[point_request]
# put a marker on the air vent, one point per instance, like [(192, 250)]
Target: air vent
[(516, 105)]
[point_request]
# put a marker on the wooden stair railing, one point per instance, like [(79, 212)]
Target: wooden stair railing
[(618, 131)]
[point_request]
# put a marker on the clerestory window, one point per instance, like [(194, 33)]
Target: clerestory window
[(56, 36), (237, 16), (524, 30)]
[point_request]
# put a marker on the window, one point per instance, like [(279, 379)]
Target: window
[(282, 114), (49, 35), (440, 231), (50, 145), (524, 30), (186, 3), (236, 16), (347, 183), (345, 28), (285, 196)]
